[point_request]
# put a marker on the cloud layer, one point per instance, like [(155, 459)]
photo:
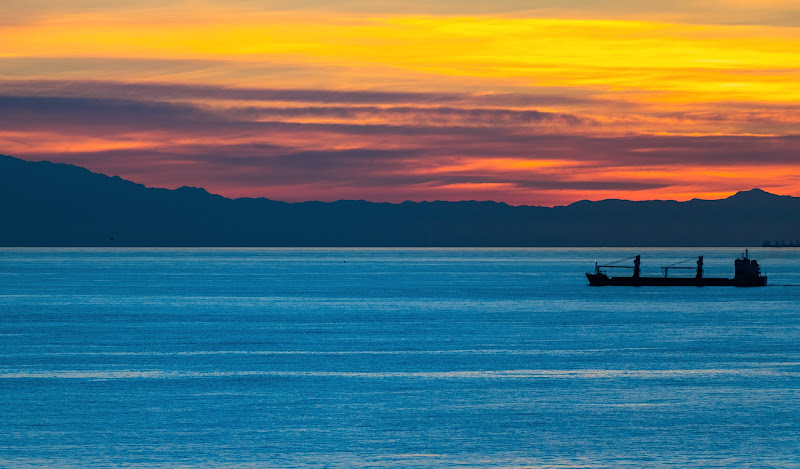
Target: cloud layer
[(536, 105)]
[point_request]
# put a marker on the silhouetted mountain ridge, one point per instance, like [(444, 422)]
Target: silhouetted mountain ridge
[(48, 204)]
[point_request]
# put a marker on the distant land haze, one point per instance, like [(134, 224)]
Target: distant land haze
[(47, 204)]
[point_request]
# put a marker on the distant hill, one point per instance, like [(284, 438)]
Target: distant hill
[(46, 204)]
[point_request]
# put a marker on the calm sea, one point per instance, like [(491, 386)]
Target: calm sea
[(250, 358)]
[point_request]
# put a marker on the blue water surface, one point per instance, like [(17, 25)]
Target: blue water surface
[(250, 358)]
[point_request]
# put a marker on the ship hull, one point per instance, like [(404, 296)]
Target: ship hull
[(599, 280)]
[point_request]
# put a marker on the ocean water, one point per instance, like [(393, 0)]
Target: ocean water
[(250, 358)]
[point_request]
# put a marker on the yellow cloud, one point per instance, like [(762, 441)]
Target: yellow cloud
[(660, 61)]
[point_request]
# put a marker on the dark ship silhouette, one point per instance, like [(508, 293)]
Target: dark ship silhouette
[(747, 273)]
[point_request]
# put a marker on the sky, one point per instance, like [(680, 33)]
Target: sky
[(527, 102)]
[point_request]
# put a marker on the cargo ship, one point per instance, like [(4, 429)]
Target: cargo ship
[(747, 273)]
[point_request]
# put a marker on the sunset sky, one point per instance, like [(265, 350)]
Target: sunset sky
[(525, 102)]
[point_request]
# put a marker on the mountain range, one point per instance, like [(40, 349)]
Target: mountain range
[(47, 204)]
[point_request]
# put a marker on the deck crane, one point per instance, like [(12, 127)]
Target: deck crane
[(637, 261), (677, 265)]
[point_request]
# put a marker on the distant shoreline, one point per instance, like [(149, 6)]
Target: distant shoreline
[(54, 205)]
